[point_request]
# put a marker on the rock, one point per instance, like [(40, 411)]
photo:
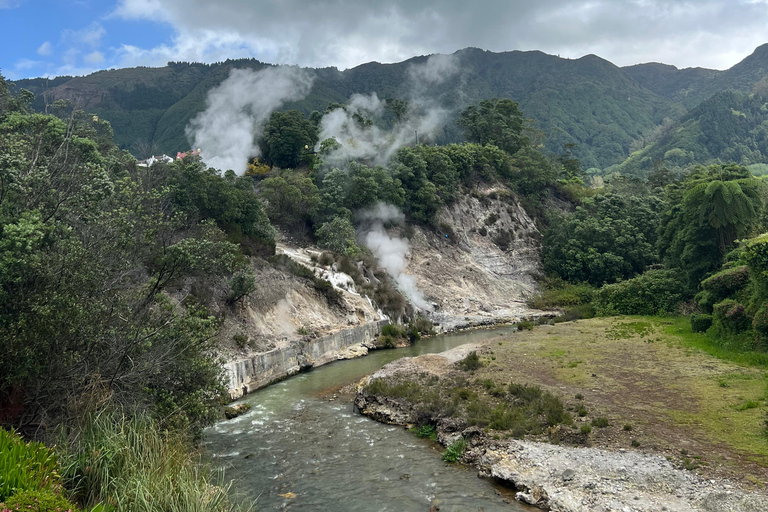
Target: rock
[(236, 410), (568, 475)]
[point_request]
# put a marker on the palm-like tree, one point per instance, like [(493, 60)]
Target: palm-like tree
[(729, 207)]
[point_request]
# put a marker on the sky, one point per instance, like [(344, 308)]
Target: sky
[(77, 37)]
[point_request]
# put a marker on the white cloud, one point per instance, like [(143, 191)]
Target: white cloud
[(89, 36), (140, 9), (344, 33), (27, 64), (95, 57), (10, 4), (45, 49)]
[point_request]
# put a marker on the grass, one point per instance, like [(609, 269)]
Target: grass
[(134, 467), (679, 328), (682, 382)]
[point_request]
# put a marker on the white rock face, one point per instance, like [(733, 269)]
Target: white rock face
[(568, 479), (485, 271)]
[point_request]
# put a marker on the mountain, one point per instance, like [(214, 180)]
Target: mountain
[(691, 86), (730, 126), (606, 110), (586, 101)]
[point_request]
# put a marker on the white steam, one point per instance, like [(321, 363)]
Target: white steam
[(237, 110), (391, 251), (424, 121)]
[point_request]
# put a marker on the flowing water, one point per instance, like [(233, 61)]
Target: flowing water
[(323, 456)]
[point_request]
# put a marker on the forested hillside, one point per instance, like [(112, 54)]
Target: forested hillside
[(728, 127), (588, 101)]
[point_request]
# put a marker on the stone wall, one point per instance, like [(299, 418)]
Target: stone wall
[(261, 369)]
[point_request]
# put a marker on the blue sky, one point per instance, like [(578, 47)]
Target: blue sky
[(76, 37), (60, 37)]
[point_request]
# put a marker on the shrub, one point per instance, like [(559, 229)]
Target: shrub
[(700, 323), (635, 443), (423, 325), (600, 422), (586, 429), (426, 432), (559, 294), (705, 300), (386, 341), (455, 451), (652, 293), (39, 501), (760, 324), (471, 362), (582, 411), (525, 392), (730, 317), (391, 330), (726, 282), (525, 325), (25, 466)]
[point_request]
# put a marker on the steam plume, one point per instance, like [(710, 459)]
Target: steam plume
[(370, 142), (391, 251), (237, 110)]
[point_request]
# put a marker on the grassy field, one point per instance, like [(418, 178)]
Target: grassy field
[(661, 387)]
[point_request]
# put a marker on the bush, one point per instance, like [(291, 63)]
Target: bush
[(730, 316), (559, 294), (391, 330), (760, 324), (525, 392), (426, 432), (455, 451), (706, 300), (471, 362), (423, 325), (39, 501), (652, 293), (25, 466), (600, 422), (700, 323), (726, 282), (525, 325), (586, 429), (338, 235)]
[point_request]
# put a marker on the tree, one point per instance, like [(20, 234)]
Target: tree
[(707, 212), (289, 139), (497, 121), (90, 245), (610, 237), (292, 199), (338, 235)]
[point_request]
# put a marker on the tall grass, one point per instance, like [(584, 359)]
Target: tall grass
[(131, 465), (681, 328)]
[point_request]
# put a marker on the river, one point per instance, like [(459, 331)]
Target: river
[(323, 456)]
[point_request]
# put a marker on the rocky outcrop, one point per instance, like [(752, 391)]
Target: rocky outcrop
[(571, 479), (260, 369), (480, 267)]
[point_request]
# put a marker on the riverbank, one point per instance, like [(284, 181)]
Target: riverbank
[(655, 422)]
